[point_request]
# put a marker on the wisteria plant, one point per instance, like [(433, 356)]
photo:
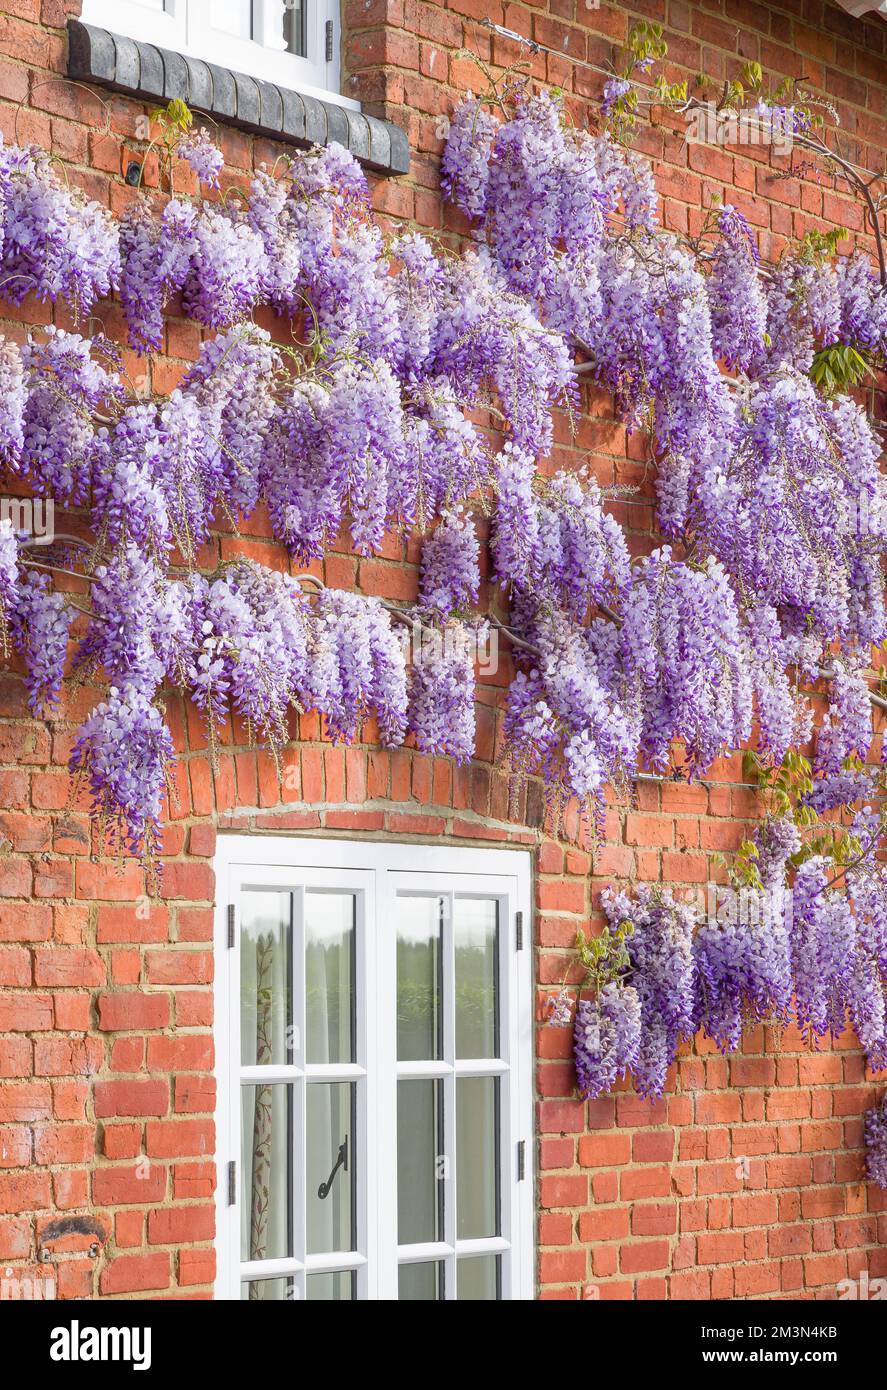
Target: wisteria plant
[(418, 390)]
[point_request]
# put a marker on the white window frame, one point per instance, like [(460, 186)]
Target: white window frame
[(185, 27), (377, 869)]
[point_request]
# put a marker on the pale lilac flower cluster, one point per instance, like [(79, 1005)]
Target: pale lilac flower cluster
[(684, 660), (65, 385), (124, 750), (198, 149), (607, 1035), (13, 396), (39, 624), (876, 1144), (449, 579), (847, 725), (663, 972), (155, 256), (53, 241), (357, 667), (441, 693), (736, 295)]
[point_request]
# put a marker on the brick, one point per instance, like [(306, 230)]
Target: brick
[(131, 1098), (136, 1273), (181, 1225), (132, 1011)]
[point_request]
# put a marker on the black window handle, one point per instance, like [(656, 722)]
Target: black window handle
[(341, 1162)]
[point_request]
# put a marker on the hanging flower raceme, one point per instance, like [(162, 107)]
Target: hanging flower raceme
[(252, 635), (13, 398), (40, 624), (445, 458), (54, 242), (863, 304), (449, 579), (488, 337), (357, 667), (555, 539), (684, 661), (441, 691), (124, 750), (271, 214), (465, 165), (823, 947), (563, 719), (777, 515), (736, 295), (227, 267), (126, 598), (155, 258), (876, 1144), (803, 308), (660, 948), (415, 291), (233, 380), (129, 502), (743, 965), (9, 580), (847, 726), (65, 386), (203, 155), (606, 1038), (344, 272)]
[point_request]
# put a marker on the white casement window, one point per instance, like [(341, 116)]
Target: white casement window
[(374, 1064), (294, 43)]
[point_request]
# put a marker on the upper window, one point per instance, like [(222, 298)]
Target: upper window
[(374, 1058), (294, 43)]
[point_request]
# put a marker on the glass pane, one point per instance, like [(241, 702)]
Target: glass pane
[(266, 1005), (268, 1290), (476, 939), (266, 1166), (329, 976), (477, 1156), (419, 928), (231, 15), (294, 26), (477, 1278), (333, 1288), (421, 1166), (330, 1167), (421, 1281)]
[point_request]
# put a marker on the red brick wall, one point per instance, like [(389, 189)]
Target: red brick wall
[(746, 1179)]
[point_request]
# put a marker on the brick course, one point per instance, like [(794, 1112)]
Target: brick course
[(746, 1179)]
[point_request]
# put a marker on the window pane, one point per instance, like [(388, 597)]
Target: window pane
[(421, 1281), (293, 25), (477, 1278), (268, 1290), (331, 1167), (266, 1005), (420, 1162), (329, 976), (477, 1156), (476, 938), (231, 15), (333, 1288), (419, 927), (266, 1167)]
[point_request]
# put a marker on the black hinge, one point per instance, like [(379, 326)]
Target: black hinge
[(518, 931), (232, 1183), (521, 1159), (230, 925), (329, 40)]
